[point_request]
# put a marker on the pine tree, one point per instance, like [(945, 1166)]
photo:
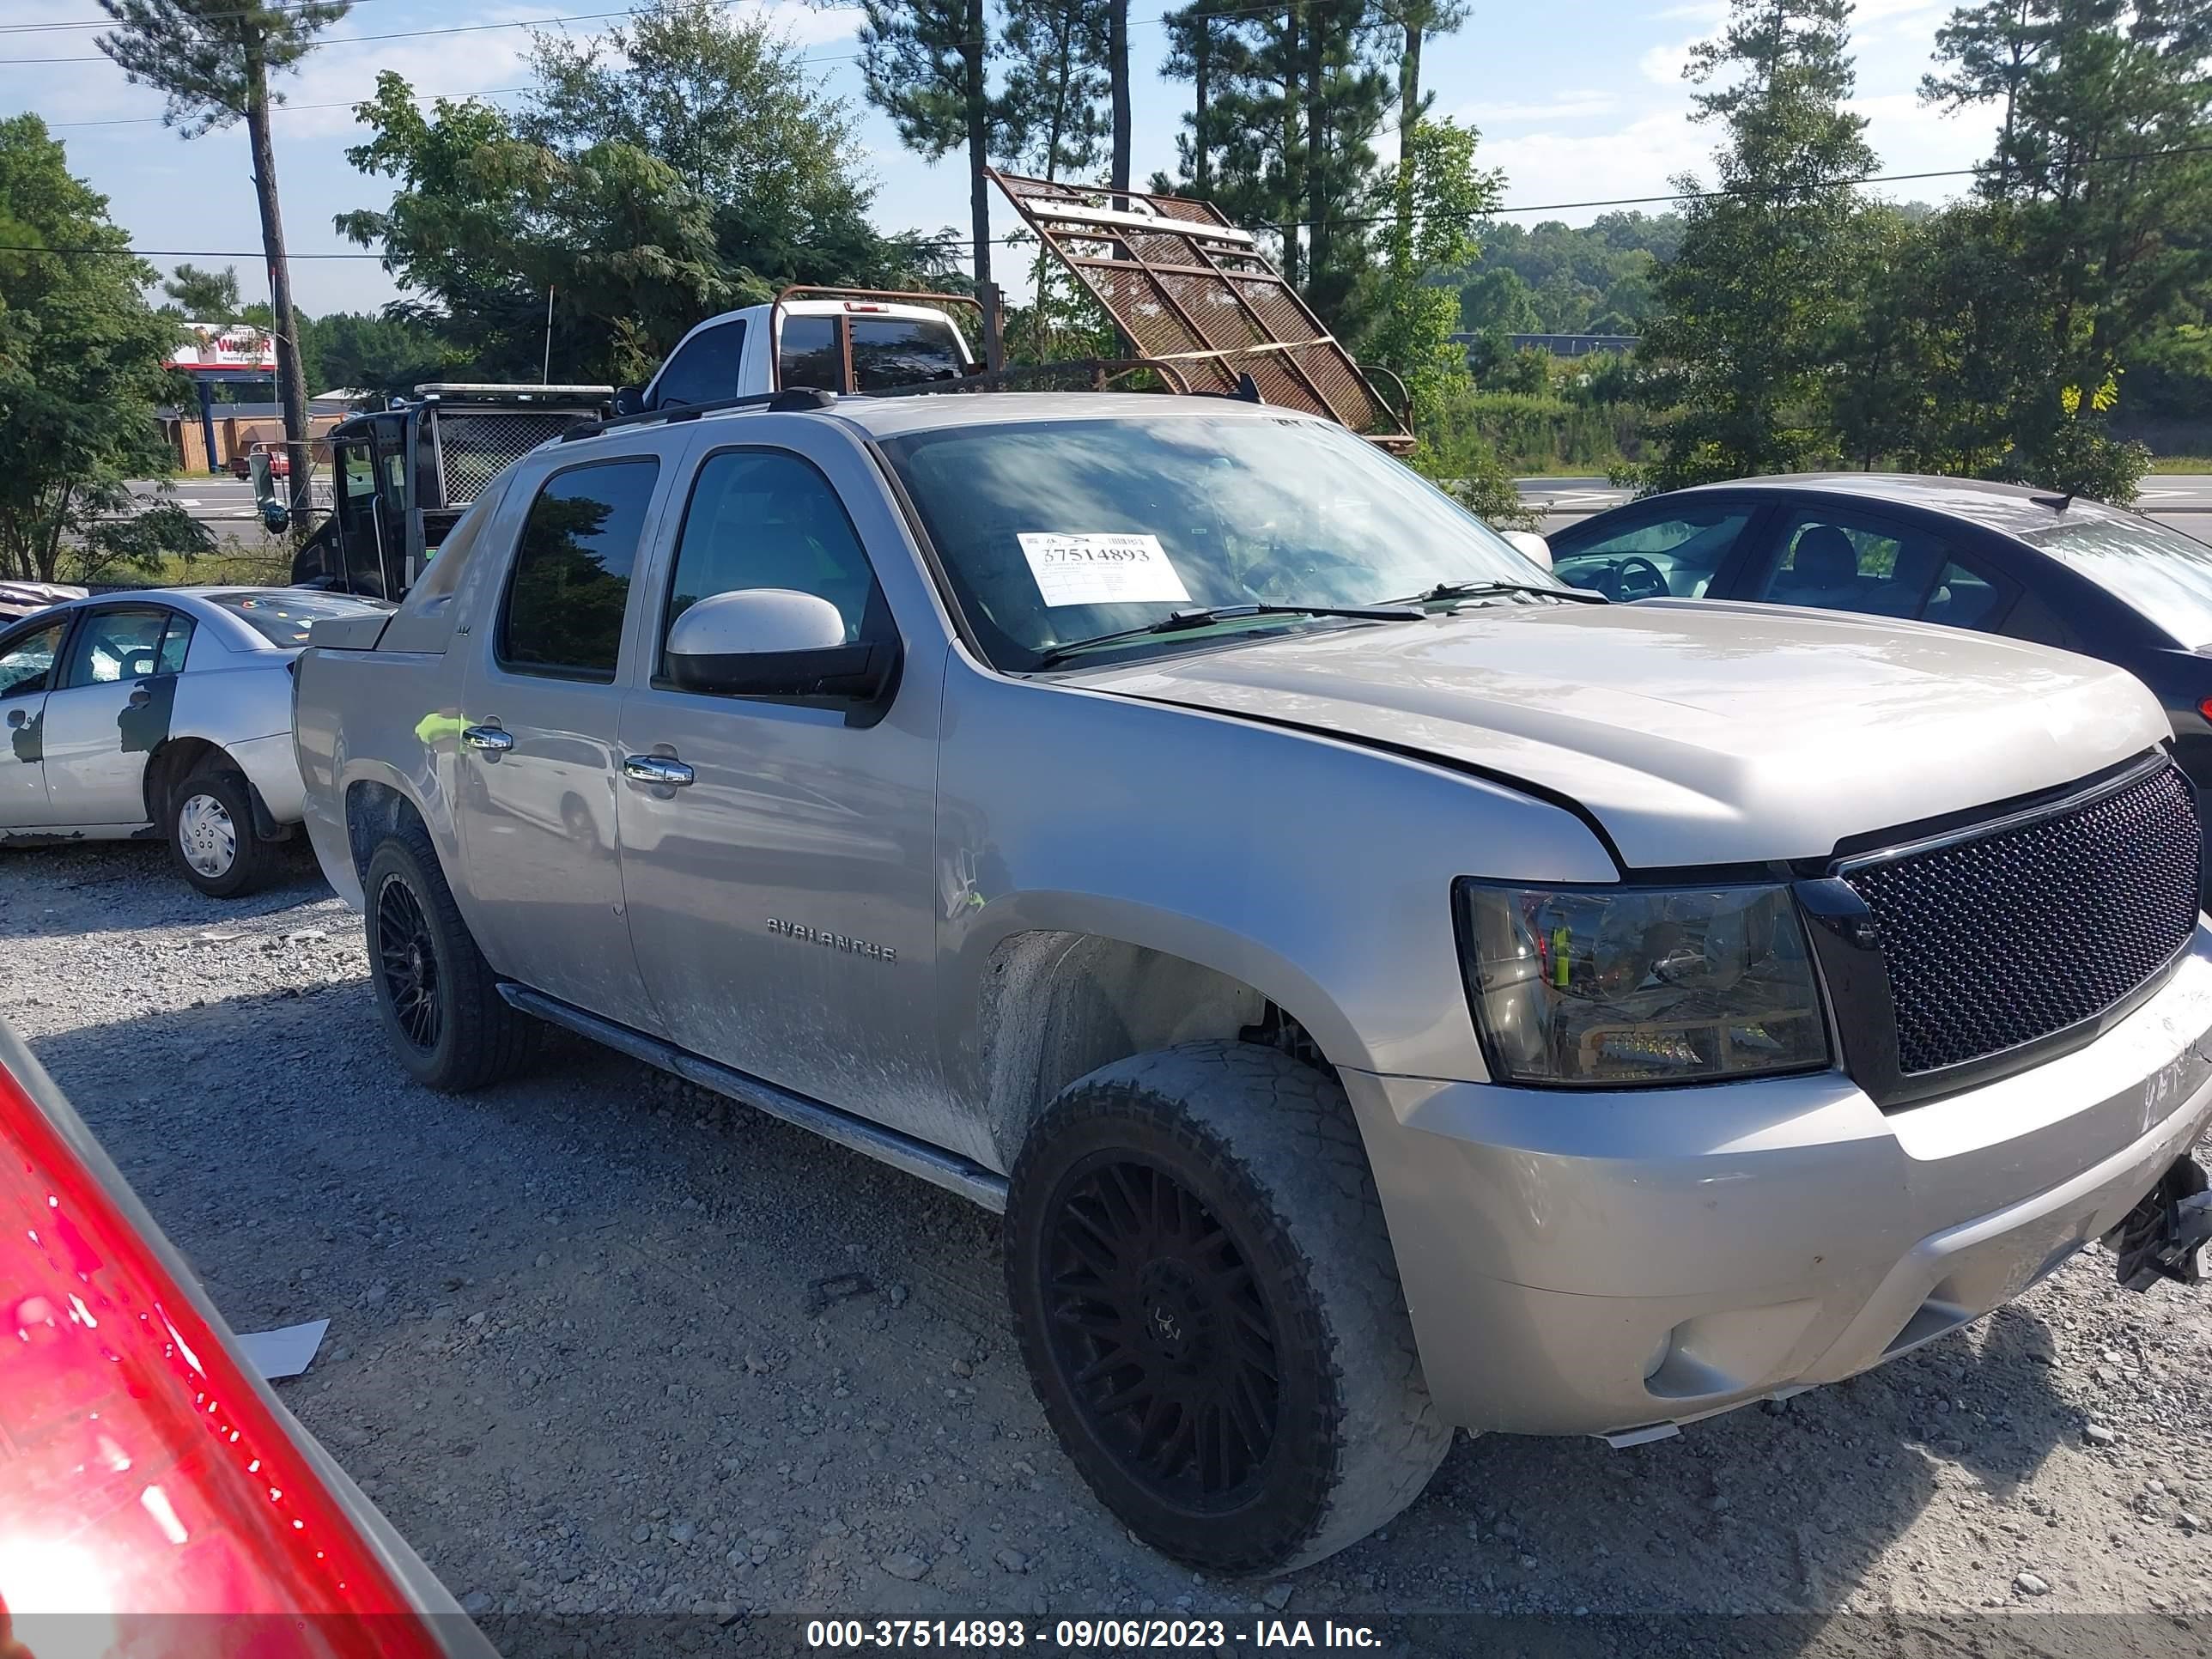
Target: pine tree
[(1752, 302), (925, 63), (215, 59)]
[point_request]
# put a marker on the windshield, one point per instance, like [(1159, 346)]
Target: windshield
[(282, 614), (2166, 575), (1061, 531)]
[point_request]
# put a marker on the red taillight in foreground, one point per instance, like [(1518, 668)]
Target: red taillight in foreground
[(2205, 708), (141, 1475)]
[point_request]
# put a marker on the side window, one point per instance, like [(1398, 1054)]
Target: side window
[(1842, 561), (704, 370), (27, 664), (563, 615), (762, 518), (1673, 555), (888, 353), (1962, 599), (176, 645), (115, 645), (2035, 619), (810, 355)]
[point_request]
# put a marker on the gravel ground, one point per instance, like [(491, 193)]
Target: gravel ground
[(600, 1343)]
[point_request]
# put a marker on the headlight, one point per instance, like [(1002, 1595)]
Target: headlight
[(1592, 988)]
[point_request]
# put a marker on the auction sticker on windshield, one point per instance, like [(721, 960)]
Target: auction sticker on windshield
[(1101, 569)]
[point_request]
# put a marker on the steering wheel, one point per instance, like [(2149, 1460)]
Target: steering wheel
[(1637, 578), (1284, 570)]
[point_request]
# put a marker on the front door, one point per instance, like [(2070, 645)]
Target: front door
[(27, 668), (536, 780), (781, 900), (109, 708)]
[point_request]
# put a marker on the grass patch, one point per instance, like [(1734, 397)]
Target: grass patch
[(2181, 464)]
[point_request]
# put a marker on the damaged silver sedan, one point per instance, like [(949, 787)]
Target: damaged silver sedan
[(160, 714)]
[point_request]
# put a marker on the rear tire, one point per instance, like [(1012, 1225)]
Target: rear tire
[(1210, 1309), (441, 1002), (211, 835)]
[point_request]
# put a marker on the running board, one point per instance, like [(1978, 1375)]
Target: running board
[(932, 1163)]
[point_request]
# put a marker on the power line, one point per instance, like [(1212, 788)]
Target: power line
[(634, 11), (109, 22), (289, 109), (1512, 210), (417, 34)]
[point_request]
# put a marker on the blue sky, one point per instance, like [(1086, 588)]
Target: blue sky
[(1578, 101)]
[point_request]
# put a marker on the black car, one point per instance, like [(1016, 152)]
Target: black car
[(1996, 558)]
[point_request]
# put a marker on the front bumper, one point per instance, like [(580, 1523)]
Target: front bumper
[(1599, 1263)]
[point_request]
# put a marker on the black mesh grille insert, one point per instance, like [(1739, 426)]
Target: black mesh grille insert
[(1997, 941)]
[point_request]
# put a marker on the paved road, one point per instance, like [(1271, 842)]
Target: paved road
[(217, 502)]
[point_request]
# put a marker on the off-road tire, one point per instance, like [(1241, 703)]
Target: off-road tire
[(1266, 1146), (455, 1032), (220, 784)]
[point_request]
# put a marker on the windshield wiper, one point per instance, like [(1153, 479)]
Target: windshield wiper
[(1444, 591), (1175, 622)]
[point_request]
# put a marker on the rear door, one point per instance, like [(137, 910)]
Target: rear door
[(782, 896), (28, 655), (109, 708), (538, 759)]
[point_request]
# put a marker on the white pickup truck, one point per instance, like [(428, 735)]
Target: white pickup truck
[(1385, 989), (841, 340)]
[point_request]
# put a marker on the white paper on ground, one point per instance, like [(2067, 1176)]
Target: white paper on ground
[(1101, 569), (286, 1353)]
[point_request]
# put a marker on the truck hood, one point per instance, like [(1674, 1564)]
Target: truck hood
[(1695, 732)]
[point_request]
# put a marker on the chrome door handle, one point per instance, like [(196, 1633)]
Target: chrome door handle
[(663, 770), (488, 737)]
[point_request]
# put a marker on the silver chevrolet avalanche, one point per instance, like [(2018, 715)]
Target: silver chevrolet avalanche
[(1385, 989)]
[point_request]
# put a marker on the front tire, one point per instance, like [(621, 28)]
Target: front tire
[(1210, 1309), (441, 1002), (210, 825)]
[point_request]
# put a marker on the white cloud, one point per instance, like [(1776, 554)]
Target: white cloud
[(1560, 107), (1640, 159)]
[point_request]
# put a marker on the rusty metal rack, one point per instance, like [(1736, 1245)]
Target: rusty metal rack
[(1189, 288)]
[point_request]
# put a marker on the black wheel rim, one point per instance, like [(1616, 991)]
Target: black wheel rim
[(1160, 1333), (407, 958)]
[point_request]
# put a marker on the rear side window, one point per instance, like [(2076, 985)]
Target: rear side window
[(888, 353), (565, 598), (704, 369), (810, 355), (176, 645), (115, 645)]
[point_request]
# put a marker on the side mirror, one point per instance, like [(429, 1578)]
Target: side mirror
[(629, 400), (275, 516), (1530, 546), (774, 642)]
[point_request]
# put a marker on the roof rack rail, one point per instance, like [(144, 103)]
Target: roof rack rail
[(791, 400)]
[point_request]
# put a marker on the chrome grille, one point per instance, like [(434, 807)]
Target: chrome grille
[(1995, 940)]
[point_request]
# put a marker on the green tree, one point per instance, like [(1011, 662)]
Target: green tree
[(1419, 311), (703, 169), (214, 59), (2101, 182), (1055, 101), (80, 376), (1417, 22), (925, 63), (1751, 301)]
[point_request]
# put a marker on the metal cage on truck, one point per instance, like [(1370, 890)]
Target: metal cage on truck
[(402, 477)]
